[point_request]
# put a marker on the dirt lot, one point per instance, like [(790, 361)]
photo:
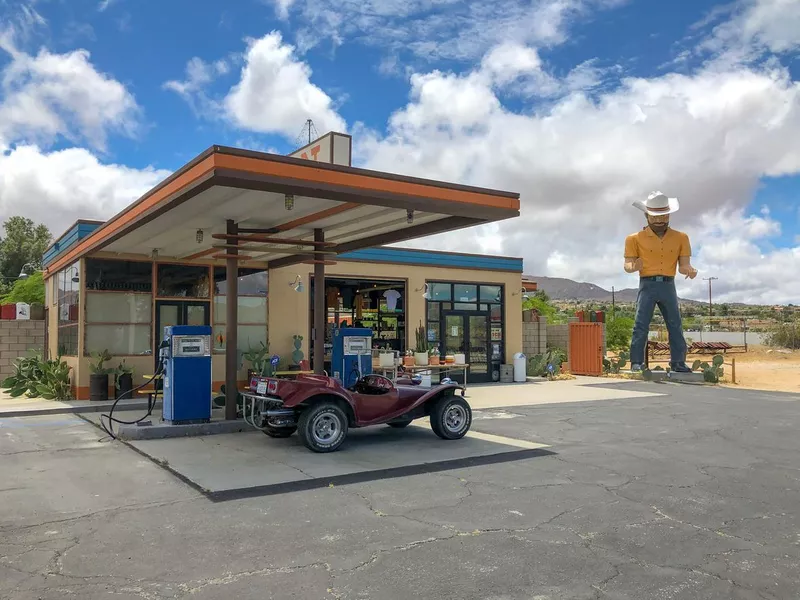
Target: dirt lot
[(763, 368)]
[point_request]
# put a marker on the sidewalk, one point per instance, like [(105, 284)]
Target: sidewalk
[(25, 407)]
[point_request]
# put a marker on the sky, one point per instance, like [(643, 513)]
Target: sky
[(581, 106)]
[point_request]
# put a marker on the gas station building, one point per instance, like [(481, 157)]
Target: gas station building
[(265, 228)]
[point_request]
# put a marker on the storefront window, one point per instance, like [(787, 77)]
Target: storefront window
[(252, 329), (68, 309), (183, 281), (491, 293), (465, 293), (440, 292), (119, 307), (118, 275)]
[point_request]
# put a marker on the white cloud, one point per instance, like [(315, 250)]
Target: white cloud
[(754, 27), (282, 8), (51, 95), (199, 74), (56, 188), (579, 163), (439, 29), (275, 93)]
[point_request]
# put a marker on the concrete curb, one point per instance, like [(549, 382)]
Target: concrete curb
[(160, 431), (89, 408)]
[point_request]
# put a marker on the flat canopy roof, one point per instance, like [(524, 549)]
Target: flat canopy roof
[(356, 208)]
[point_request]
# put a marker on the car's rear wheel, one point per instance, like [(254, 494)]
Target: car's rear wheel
[(323, 427), (279, 432), (451, 417)]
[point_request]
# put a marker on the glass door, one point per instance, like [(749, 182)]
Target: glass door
[(468, 334), (179, 312)]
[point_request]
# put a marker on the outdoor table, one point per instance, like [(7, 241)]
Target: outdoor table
[(442, 369)]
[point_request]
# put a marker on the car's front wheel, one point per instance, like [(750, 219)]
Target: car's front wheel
[(451, 417), (323, 427)]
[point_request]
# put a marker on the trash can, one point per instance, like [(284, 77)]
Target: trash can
[(520, 368)]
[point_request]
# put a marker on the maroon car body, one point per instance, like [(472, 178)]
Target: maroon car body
[(309, 404)]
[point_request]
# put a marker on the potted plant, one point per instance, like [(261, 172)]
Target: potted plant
[(123, 380), (98, 380), (408, 359), (434, 356), (421, 348), (386, 357), (257, 357)]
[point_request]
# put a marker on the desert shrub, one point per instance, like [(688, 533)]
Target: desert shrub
[(35, 377), (618, 333), (784, 335)]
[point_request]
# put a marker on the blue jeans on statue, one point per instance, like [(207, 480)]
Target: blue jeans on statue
[(658, 291)]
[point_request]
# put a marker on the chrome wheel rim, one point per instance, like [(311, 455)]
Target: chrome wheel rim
[(326, 429), (455, 418)]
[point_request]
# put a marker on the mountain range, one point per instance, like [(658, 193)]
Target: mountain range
[(558, 288)]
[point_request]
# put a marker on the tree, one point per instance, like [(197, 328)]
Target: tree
[(618, 333), (24, 243), (29, 290)]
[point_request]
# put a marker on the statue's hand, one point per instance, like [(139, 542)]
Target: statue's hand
[(692, 273), (637, 265)]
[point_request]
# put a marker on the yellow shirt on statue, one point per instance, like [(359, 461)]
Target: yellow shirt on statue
[(659, 254)]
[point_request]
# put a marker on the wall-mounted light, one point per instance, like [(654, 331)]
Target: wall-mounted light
[(425, 292), (75, 277), (199, 236), (154, 254), (23, 273), (410, 215), (288, 201), (297, 284)]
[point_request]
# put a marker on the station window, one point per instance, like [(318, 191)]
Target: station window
[(68, 299), (119, 307), (253, 292)]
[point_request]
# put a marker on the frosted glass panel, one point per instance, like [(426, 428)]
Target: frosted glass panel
[(252, 309), (110, 307), (249, 336), (119, 340)]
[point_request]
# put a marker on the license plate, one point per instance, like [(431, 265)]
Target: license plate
[(261, 388)]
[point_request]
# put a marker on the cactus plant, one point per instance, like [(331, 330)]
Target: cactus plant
[(615, 365), (422, 340), (297, 353)]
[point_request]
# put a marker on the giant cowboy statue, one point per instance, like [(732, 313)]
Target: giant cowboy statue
[(656, 252)]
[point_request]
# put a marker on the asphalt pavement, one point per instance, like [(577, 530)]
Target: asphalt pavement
[(694, 494)]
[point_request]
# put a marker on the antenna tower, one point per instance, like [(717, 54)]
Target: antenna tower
[(308, 134)]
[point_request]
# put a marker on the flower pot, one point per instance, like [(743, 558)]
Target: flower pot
[(433, 360), (124, 386), (460, 359), (98, 387), (421, 358), (408, 361), (449, 359), (386, 359)]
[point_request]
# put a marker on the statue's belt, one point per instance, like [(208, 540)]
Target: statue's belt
[(657, 278)]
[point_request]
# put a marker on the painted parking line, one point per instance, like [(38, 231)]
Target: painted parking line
[(489, 437)]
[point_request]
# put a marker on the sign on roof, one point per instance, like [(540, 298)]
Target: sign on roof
[(333, 148)]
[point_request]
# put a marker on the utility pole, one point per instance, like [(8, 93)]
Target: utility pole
[(613, 304), (710, 310)]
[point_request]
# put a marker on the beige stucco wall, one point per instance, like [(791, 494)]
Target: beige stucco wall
[(289, 312)]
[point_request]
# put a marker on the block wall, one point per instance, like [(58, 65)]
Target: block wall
[(16, 339)]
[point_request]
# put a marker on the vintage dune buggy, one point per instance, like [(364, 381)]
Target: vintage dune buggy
[(321, 410)]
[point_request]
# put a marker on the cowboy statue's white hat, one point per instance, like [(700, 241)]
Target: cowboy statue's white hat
[(657, 204)]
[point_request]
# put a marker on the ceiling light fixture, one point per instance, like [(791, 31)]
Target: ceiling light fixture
[(199, 236), (410, 215), (288, 201)]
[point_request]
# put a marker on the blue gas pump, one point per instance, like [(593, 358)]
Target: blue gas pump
[(187, 374), (351, 355)]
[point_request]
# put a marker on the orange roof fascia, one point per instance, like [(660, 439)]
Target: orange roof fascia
[(309, 173), (152, 200)]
